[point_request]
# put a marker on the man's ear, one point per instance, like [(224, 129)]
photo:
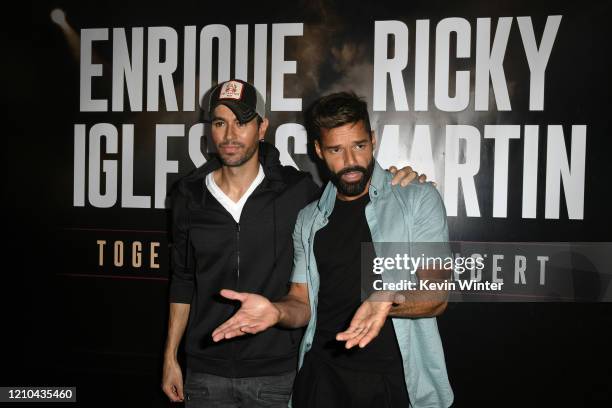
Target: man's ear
[(373, 138), (318, 149), (262, 128)]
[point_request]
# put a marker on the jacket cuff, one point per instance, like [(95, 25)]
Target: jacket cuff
[(181, 292)]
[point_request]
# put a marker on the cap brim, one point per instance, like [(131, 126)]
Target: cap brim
[(243, 113)]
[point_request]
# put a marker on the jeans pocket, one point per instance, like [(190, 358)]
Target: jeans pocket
[(278, 390), (274, 394), (196, 394)]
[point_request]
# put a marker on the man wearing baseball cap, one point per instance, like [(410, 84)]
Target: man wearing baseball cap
[(233, 220)]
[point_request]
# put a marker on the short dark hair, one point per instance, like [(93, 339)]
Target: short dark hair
[(335, 110)]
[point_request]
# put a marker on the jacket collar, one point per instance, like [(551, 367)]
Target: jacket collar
[(378, 183), (269, 157)]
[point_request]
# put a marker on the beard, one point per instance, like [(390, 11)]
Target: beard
[(354, 188), (236, 160)]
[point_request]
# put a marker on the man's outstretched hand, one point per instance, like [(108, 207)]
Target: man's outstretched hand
[(366, 324), (256, 314)]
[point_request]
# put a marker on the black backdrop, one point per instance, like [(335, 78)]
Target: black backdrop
[(102, 328)]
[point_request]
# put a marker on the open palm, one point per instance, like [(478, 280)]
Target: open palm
[(256, 314), (366, 324)]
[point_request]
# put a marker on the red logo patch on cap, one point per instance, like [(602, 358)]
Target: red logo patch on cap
[(231, 90)]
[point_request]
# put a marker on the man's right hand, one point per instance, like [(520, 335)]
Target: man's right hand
[(172, 380)]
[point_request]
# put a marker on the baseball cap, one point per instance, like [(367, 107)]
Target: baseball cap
[(241, 97)]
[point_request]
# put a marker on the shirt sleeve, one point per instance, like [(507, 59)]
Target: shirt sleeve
[(298, 274), (182, 277), (430, 233), (430, 217)]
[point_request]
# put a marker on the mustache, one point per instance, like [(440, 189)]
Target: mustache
[(345, 170), (230, 143)]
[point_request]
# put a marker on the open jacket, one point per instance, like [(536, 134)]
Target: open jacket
[(394, 214), (211, 251)]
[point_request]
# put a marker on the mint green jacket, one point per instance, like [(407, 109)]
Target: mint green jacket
[(395, 214)]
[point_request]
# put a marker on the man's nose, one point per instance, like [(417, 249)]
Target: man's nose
[(349, 158), (230, 132)]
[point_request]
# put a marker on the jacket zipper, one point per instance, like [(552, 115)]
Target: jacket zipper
[(237, 289), (237, 256)]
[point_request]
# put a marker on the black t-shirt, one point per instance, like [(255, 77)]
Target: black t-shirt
[(337, 249)]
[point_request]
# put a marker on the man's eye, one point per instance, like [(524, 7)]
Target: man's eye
[(360, 146), (334, 149), (217, 123)]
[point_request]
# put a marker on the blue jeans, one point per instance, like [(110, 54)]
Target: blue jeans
[(212, 391)]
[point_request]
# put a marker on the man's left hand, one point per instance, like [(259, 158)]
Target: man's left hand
[(366, 324)]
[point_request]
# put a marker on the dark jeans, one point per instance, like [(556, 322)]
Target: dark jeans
[(207, 390), (323, 384)]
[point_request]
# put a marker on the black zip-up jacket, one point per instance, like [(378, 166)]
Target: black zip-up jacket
[(210, 252)]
